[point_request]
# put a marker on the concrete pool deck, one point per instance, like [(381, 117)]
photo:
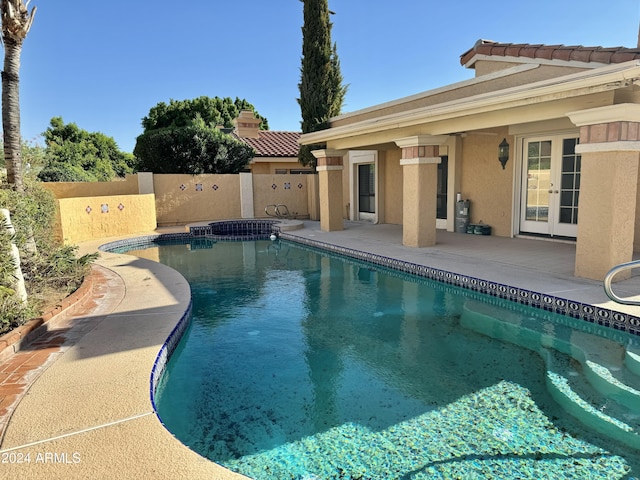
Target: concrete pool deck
[(87, 411)]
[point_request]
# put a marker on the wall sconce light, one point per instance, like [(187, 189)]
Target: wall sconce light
[(503, 153)]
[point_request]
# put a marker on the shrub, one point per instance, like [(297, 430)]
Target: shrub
[(52, 270)]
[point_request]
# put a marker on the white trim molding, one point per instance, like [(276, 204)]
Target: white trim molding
[(326, 168), (422, 141), (328, 152), (622, 112), (420, 161), (608, 147)]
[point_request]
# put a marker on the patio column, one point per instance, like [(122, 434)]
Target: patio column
[(329, 168), (420, 159), (610, 150)]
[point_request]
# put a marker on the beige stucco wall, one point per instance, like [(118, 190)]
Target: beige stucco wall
[(636, 236), (484, 183), (608, 182), (86, 218), (125, 186), (289, 190), (346, 195), (270, 165), (177, 200), (393, 187), (182, 199)]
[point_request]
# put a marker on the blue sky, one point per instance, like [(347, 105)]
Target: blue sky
[(104, 64)]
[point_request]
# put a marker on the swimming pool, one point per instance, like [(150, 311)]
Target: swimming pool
[(301, 365)]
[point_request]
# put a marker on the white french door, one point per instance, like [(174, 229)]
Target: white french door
[(550, 186)]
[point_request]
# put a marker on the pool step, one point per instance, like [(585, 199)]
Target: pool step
[(608, 371), (575, 395), (612, 368), (632, 359)]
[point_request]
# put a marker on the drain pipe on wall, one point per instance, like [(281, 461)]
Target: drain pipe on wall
[(19, 287)]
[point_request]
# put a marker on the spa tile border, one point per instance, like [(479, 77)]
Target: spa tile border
[(235, 230)]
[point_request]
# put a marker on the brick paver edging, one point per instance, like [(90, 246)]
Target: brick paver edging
[(12, 341)]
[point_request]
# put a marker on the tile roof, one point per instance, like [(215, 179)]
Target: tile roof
[(576, 53), (273, 143)]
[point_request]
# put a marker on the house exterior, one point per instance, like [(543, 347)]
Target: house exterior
[(276, 151), (566, 120)]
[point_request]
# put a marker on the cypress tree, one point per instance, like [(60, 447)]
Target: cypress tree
[(321, 89)]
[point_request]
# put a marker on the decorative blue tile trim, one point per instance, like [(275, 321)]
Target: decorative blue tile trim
[(143, 242), (601, 316), (236, 230), (164, 355)]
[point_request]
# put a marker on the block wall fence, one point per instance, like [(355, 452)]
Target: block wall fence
[(144, 201)]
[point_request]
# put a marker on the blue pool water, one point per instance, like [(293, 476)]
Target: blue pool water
[(304, 366)]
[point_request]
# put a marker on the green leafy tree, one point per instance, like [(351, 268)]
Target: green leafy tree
[(16, 23), (213, 112), (76, 155), (183, 137), (193, 149), (321, 85)]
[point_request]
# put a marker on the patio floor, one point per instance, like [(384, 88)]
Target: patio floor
[(85, 410)]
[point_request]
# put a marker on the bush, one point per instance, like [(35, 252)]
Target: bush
[(194, 149), (53, 270), (65, 172)]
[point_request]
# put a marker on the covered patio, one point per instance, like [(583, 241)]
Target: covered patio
[(544, 141)]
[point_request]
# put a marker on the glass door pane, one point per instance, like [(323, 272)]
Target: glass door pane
[(569, 183), (366, 188), (443, 175), (538, 181)]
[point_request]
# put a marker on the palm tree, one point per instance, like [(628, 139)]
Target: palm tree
[(16, 22)]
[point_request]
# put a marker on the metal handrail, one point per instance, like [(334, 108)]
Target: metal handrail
[(284, 214), (608, 278), (276, 211)]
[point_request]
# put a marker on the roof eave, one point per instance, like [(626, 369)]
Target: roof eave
[(536, 61), (607, 78)]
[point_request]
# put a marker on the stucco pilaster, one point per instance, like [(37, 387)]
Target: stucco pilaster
[(246, 195), (610, 151), (420, 159), (145, 183), (329, 167)]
